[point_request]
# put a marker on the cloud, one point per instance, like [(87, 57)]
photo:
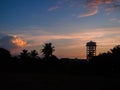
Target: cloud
[(100, 2), (93, 6), (109, 9), (83, 36), (91, 11), (12, 43), (115, 19), (53, 8), (109, 1), (72, 36), (106, 38)]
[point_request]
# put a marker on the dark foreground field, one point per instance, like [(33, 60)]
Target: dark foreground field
[(58, 81)]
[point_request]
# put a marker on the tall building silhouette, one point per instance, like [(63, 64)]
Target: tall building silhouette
[(90, 49)]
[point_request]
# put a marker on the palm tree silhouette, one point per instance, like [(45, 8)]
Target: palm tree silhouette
[(47, 50), (33, 54), (24, 54)]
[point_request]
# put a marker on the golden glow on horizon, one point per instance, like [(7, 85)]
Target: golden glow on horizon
[(74, 44)]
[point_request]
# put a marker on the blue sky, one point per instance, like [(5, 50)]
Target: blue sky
[(69, 23)]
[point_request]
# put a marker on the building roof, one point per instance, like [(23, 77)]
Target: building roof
[(91, 43)]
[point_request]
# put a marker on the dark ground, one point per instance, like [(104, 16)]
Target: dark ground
[(58, 81)]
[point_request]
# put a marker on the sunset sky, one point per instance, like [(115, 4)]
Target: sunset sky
[(67, 24)]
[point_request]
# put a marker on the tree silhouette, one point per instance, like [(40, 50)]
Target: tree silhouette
[(24, 54), (109, 61), (116, 57), (4, 53), (116, 50), (33, 54), (47, 50), (5, 56)]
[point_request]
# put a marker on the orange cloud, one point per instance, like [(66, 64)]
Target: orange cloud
[(12, 43), (18, 42)]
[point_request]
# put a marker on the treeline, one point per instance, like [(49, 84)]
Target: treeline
[(31, 62), (108, 61)]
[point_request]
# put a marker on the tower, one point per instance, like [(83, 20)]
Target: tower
[(90, 49)]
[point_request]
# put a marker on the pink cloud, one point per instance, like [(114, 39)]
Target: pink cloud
[(84, 35), (106, 38), (94, 2), (109, 1), (91, 11), (93, 7), (100, 2)]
